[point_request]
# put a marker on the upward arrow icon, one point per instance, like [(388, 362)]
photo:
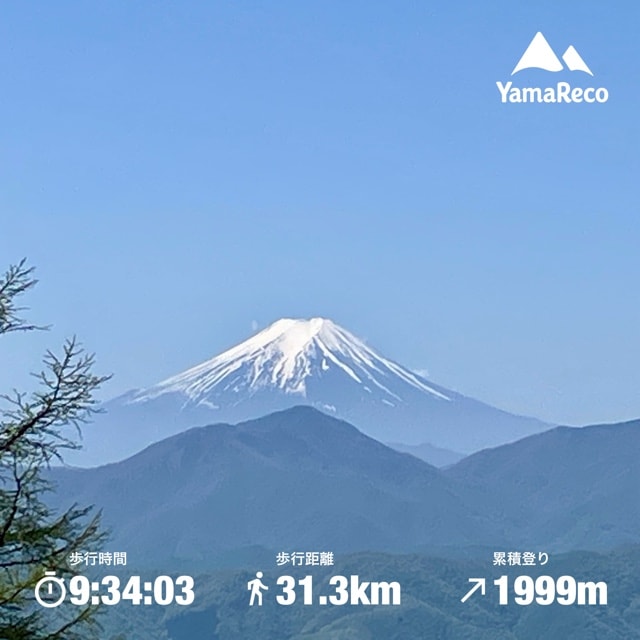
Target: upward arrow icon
[(480, 583)]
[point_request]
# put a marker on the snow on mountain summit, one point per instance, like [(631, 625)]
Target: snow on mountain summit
[(285, 357), (311, 362)]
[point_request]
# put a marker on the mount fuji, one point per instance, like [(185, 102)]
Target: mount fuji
[(301, 362)]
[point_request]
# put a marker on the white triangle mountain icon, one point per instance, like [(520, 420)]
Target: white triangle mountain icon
[(574, 61), (540, 55)]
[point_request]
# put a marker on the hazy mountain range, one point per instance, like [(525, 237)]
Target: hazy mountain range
[(576, 488), (302, 479), (433, 455), (297, 479), (313, 362)]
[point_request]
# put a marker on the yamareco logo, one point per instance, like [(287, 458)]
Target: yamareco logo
[(540, 55)]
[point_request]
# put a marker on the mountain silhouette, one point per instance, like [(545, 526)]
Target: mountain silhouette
[(293, 480), (568, 488), (538, 55), (292, 362)]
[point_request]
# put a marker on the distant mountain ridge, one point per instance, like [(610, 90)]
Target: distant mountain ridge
[(293, 362), (570, 487), (433, 455), (299, 478), (296, 479)]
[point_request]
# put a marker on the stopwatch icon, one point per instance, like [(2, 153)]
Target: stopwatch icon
[(51, 586)]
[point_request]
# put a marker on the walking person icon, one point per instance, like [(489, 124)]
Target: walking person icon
[(256, 587)]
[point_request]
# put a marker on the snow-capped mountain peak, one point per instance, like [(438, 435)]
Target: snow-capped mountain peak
[(302, 362), (284, 357)]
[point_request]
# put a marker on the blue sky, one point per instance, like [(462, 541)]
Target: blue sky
[(179, 171)]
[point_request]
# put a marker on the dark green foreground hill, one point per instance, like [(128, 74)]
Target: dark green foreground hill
[(430, 609)]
